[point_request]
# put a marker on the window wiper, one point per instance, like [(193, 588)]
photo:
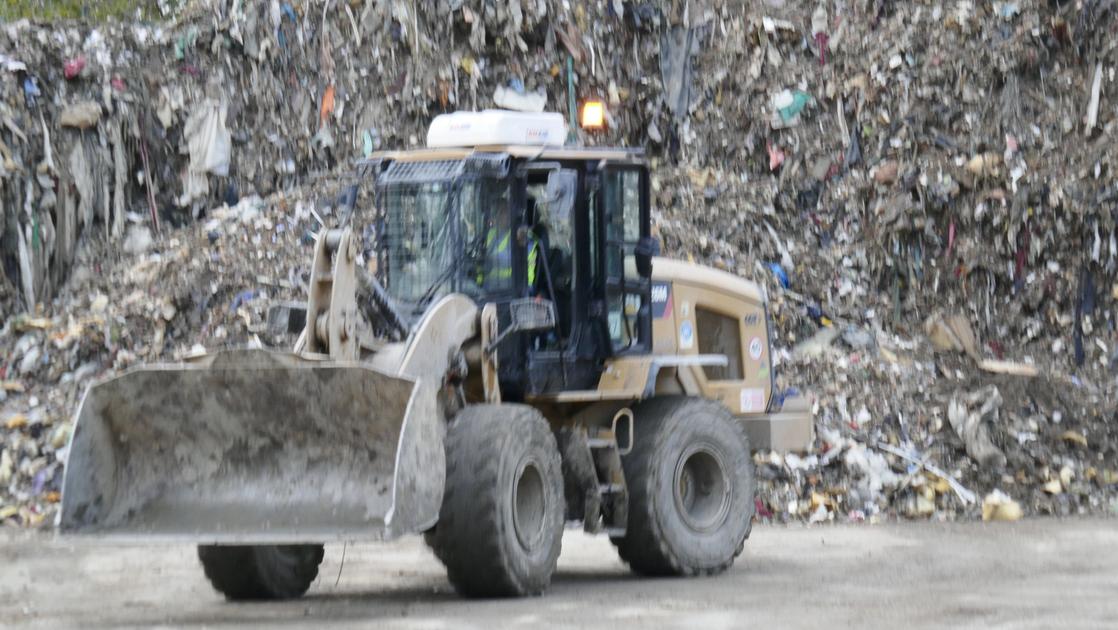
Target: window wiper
[(431, 290)]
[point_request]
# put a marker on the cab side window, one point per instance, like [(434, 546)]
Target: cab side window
[(720, 334), (622, 190), (552, 197)]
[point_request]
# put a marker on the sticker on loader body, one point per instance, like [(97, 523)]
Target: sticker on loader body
[(686, 335), (752, 399)]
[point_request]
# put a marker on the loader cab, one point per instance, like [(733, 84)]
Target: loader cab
[(589, 213), (502, 225)]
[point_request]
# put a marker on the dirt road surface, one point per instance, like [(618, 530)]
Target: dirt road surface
[(1032, 574)]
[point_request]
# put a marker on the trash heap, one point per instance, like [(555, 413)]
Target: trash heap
[(924, 188), (103, 126), (917, 416)]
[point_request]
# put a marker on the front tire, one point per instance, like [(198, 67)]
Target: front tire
[(690, 478), (500, 527), (260, 572)]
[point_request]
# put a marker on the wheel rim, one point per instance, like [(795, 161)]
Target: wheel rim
[(702, 489), (528, 506)]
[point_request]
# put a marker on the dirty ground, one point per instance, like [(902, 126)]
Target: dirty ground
[(924, 188), (1041, 573)]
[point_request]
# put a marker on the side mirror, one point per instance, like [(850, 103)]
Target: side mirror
[(526, 314), (646, 248)]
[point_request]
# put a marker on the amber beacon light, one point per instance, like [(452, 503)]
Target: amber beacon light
[(593, 115)]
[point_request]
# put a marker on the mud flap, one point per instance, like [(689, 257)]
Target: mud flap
[(248, 446)]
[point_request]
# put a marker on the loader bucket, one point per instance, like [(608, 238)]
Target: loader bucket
[(245, 446)]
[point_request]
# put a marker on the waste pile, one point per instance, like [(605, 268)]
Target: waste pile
[(167, 120), (925, 189)]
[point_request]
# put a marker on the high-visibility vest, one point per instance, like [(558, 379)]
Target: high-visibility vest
[(499, 257)]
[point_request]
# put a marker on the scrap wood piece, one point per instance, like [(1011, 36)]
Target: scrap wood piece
[(11, 125), (570, 39), (82, 115), (1074, 437), (999, 506), (1008, 367), (952, 333)]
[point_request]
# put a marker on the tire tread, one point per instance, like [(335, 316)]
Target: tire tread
[(260, 572), (468, 537), (644, 547)]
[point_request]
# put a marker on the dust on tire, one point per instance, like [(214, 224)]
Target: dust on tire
[(261, 572), (667, 535), (501, 523)]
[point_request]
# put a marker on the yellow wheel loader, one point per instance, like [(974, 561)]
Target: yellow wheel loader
[(506, 355)]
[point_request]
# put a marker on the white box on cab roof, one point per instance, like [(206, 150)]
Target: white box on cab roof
[(494, 127)]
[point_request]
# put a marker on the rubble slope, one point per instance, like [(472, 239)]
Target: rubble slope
[(924, 188)]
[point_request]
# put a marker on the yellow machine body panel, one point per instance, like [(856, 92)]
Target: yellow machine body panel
[(702, 311)]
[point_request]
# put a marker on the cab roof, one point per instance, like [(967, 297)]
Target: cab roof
[(517, 151)]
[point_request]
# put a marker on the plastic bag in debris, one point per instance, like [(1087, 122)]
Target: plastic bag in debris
[(509, 98), (971, 415), (787, 106), (210, 145), (871, 474), (678, 44)]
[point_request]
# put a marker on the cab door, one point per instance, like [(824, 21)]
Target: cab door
[(622, 220)]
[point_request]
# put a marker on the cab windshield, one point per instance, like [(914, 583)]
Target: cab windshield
[(439, 236)]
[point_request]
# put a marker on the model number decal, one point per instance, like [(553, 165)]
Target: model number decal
[(661, 300)]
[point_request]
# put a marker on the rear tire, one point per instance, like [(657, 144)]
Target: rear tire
[(500, 527), (258, 572), (690, 479)]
